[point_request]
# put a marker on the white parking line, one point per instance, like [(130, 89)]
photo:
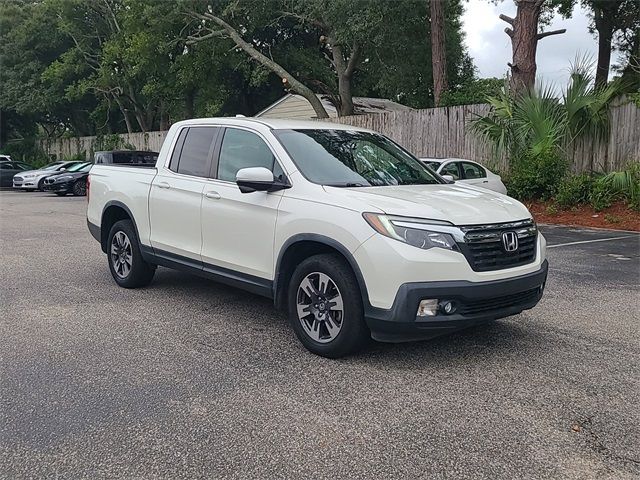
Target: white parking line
[(589, 241)]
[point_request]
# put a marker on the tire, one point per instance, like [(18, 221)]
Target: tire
[(60, 194), (323, 311), (123, 245), (79, 188), (41, 185)]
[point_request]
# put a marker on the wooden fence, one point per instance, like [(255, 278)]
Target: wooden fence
[(436, 132)]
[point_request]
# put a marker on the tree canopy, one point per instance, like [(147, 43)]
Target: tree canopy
[(80, 67)]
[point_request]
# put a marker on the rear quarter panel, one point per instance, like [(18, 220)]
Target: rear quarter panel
[(127, 185)]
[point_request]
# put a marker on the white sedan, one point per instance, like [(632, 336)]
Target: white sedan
[(466, 171)]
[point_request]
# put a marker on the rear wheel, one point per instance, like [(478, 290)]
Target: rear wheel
[(325, 307), (126, 264), (80, 188)]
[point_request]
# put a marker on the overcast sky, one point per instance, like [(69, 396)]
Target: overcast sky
[(490, 47)]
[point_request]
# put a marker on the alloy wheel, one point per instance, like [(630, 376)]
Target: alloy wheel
[(320, 307), (121, 255)]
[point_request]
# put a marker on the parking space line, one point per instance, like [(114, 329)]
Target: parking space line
[(589, 241)]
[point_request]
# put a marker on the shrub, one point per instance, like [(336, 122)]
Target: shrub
[(622, 185), (601, 196), (575, 190), (536, 177)]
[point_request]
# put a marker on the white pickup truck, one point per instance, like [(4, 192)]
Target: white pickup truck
[(349, 233)]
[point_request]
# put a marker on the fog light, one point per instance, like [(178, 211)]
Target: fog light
[(448, 308), (428, 307)]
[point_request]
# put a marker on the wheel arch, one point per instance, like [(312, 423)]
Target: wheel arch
[(113, 212), (302, 246)]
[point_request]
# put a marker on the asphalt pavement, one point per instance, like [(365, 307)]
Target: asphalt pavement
[(191, 379)]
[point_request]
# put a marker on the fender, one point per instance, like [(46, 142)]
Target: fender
[(104, 234), (330, 242)]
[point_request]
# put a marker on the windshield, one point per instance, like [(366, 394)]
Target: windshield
[(346, 158), (77, 167), (51, 166)]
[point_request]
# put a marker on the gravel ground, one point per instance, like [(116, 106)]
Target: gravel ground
[(188, 378)]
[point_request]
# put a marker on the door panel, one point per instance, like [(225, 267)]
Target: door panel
[(174, 214), (238, 228), (176, 193)]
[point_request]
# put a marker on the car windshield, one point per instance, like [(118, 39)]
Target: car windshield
[(347, 158), (77, 167), (51, 166)]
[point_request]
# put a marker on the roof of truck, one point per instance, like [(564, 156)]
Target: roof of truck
[(272, 123)]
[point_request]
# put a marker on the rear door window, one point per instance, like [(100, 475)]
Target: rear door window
[(195, 157)]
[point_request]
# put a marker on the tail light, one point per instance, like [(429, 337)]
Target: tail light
[(88, 186)]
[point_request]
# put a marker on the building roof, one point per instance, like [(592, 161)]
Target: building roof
[(362, 105)]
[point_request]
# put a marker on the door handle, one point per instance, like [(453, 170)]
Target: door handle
[(212, 195), (485, 181), (163, 185)]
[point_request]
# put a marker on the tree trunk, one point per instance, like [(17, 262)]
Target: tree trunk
[(125, 114), (438, 50), (345, 71), (189, 104), (603, 22), (524, 43)]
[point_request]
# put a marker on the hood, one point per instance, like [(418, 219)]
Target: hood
[(37, 172), (455, 203)]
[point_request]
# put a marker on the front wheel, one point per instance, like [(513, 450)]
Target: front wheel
[(325, 307), (80, 188), (126, 264)]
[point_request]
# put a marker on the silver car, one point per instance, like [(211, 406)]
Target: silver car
[(466, 171), (34, 179)]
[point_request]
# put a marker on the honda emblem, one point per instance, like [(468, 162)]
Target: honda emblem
[(510, 241)]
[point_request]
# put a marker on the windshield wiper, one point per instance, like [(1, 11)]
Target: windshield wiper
[(346, 184)]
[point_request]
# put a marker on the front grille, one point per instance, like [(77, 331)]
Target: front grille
[(488, 304), (17, 179), (49, 181), (485, 250)]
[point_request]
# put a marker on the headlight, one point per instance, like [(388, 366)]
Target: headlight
[(413, 231), (64, 178), (29, 176)]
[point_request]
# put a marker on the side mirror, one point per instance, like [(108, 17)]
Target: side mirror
[(258, 179), (448, 178), (63, 169)]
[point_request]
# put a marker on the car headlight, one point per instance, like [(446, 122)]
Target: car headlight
[(412, 231), (64, 178), (29, 176)]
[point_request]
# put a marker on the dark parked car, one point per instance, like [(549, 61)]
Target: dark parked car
[(126, 157), (9, 168), (73, 180)]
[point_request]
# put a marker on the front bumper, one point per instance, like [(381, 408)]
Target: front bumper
[(58, 187), (476, 303)]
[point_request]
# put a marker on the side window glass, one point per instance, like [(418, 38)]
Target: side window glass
[(471, 171), (451, 169), (177, 150), (6, 166), (242, 149), (194, 158)]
